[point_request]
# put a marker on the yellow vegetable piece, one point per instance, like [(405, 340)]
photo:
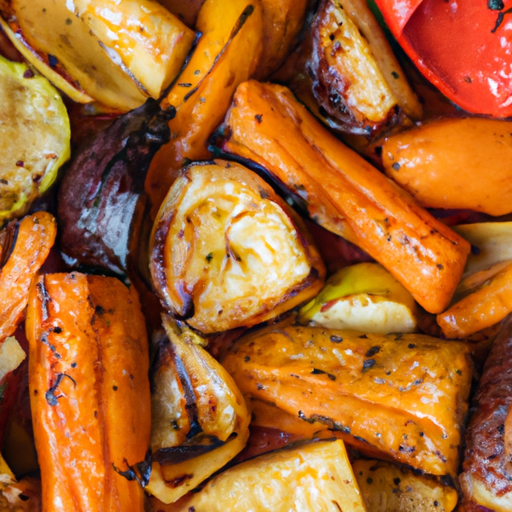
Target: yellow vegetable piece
[(363, 297), (405, 395), (389, 488), (316, 477), (34, 137), (11, 356)]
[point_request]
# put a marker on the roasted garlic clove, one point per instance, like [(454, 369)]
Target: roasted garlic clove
[(199, 418), (89, 391), (226, 251)]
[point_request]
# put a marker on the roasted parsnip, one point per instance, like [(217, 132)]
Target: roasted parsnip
[(199, 417), (227, 252), (117, 53), (89, 392), (344, 193), (226, 54), (316, 477), (405, 395), (35, 135), (454, 163)]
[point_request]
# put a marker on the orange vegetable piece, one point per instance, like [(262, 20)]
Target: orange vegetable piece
[(226, 54), (32, 237), (490, 303), (89, 391), (454, 163), (344, 193)]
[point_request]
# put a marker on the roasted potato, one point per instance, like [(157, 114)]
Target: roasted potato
[(344, 193), (118, 53), (405, 395), (89, 391), (226, 251), (199, 418), (363, 297), (316, 477), (35, 137)]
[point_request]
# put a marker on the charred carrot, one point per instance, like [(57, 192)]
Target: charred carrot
[(25, 248), (89, 391), (344, 193)]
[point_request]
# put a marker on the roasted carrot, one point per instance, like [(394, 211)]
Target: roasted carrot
[(226, 55), (89, 391), (25, 248), (344, 193)]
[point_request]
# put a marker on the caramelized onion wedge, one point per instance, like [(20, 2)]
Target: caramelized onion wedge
[(226, 251), (199, 418), (25, 247), (89, 391), (405, 395)]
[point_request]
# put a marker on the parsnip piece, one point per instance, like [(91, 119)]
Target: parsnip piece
[(11, 356), (34, 137), (388, 488), (363, 297), (226, 251), (316, 477)]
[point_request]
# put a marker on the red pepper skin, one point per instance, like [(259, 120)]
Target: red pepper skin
[(460, 46)]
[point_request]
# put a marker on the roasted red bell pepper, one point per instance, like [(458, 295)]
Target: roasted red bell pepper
[(463, 47)]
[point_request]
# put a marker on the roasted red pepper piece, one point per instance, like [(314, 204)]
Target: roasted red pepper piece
[(461, 47)]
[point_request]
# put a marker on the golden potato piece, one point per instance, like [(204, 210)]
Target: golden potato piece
[(226, 251), (316, 477)]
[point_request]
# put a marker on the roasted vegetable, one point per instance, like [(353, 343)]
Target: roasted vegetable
[(405, 395), (35, 137), (25, 247), (344, 193), (316, 477), (199, 418), (363, 297), (226, 54), (355, 77), (118, 53), (389, 488), (89, 391), (11, 356), (185, 10), (454, 163), (487, 300), (101, 199), (486, 480), (226, 251)]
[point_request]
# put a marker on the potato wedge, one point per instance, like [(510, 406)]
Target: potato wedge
[(363, 297), (316, 477), (226, 54), (389, 488), (405, 395), (199, 418), (34, 137), (227, 252), (454, 163), (344, 193), (119, 53), (89, 391)]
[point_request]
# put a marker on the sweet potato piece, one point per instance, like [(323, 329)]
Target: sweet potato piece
[(487, 305), (227, 252), (226, 55), (316, 477), (405, 395), (89, 391), (199, 417), (454, 163), (25, 248), (344, 193), (389, 488), (487, 467)]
